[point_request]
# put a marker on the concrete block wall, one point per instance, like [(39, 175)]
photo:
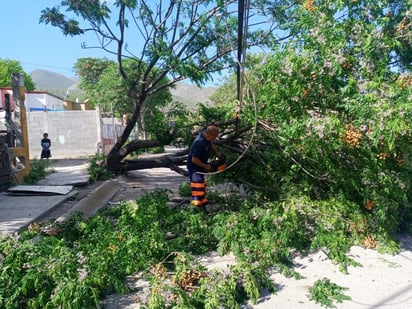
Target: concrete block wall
[(74, 134)]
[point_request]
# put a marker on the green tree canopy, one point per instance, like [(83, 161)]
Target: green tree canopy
[(333, 118), (101, 79), (106, 88), (89, 71), (7, 68), (176, 40)]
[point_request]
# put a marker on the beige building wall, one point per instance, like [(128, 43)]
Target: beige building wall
[(74, 134)]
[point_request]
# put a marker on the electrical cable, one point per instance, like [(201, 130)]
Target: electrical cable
[(244, 151), (242, 32)]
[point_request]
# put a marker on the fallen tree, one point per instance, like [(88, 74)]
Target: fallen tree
[(231, 139)]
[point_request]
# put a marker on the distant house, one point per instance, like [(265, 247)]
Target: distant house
[(34, 101), (43, 101), (77, 106), (37, 101)]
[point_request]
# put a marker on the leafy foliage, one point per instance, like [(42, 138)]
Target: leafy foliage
[(79, 262), (96, 172), (333, 128), (324, 292), (156, 48), (38, 170), (101, 79), (7, 68), (89, 71), (184, 189)]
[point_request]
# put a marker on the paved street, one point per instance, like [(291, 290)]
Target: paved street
[(18, 211)]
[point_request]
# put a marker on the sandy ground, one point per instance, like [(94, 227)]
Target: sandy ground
[(384, 281)]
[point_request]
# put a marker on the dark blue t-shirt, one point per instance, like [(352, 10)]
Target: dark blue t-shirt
[(45, 143), (201, 148)]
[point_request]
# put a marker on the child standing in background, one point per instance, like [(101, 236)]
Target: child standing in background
[(45, 146)]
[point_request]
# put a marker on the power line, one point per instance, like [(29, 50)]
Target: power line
[(47, 66)]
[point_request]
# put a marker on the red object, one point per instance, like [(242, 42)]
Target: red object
[(3, 92)]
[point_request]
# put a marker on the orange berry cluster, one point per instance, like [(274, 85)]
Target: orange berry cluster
[(382, 155), (357, 227), (113, 247), (159, 270), (404, 25), (189, 280), (404, 81), (346, 65), (370, 204), (121, 238), (399, 160), (309, 5), (351, 136), (369, 243), (35, 226)]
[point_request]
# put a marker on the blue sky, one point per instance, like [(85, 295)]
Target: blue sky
[(39, 46)]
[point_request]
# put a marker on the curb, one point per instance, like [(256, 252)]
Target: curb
[(97, 199)]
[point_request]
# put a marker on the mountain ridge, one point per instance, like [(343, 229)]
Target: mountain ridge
[(58, 84), (45, 80)]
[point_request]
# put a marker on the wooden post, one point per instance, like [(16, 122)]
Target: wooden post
[(23, 149)]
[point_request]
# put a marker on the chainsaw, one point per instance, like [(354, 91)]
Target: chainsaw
[(218, 164)]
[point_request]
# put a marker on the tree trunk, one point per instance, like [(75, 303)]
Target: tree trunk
[(118, 152), (175, 162), (114, 158)]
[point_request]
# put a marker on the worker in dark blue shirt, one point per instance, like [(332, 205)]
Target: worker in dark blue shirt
[(198, 163)]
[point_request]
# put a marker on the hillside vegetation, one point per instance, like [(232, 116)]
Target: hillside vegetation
[(190, 95)]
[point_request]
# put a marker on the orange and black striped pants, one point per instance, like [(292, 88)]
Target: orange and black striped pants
[(198, 186)]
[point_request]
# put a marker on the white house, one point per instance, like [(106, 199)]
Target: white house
[(34, 101), (43, 101)]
